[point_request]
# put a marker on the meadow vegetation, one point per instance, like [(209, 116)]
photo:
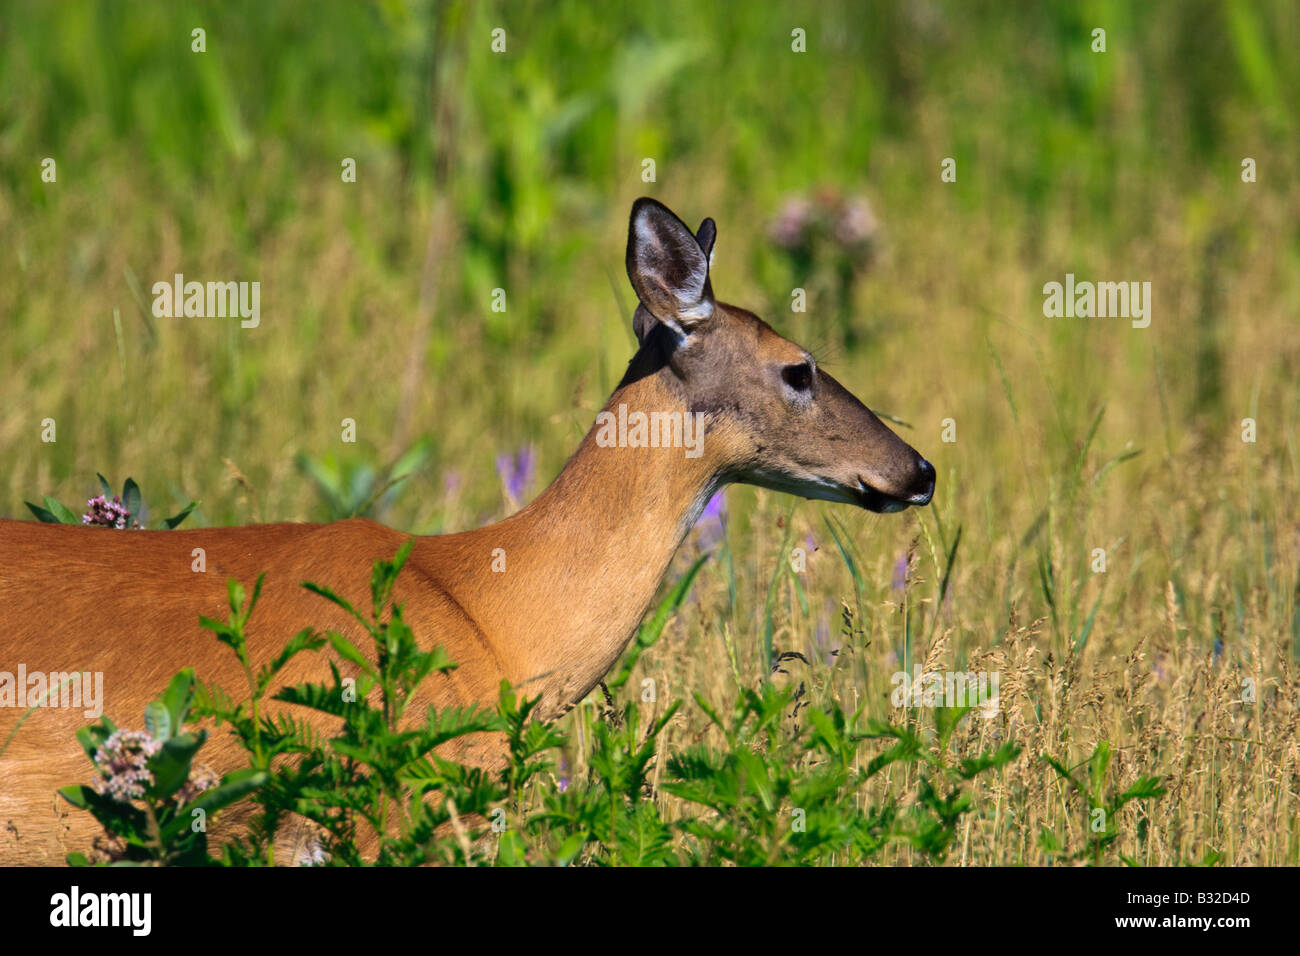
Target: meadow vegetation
[(1162, 690)]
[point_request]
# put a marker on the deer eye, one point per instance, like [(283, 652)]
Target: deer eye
[(798, 377)]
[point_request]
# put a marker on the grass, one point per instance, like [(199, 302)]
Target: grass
[(479, 171)]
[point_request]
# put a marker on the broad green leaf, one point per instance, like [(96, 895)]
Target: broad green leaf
[(62, 513)]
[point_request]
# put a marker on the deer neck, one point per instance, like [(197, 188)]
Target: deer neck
[(584, 560)]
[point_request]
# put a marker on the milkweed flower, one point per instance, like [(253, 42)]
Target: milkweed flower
[(106, 513), (122, 763), (201, 778)]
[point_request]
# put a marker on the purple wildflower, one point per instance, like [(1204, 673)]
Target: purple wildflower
[(827, 647), (517, 472), (900, 573), (845, 225), (712, 523), (793, 223), (109, 514), (122, 765), (856, 223)]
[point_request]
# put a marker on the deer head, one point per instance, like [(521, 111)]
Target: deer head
[(785, 423)]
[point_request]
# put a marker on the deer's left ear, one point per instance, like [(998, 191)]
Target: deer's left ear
[(705, 236), (669, 267)]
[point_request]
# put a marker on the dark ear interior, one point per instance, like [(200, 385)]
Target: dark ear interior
[(705, 236), (668, 266)]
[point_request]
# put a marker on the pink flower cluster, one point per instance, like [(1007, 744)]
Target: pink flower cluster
[(847, 221), (121, 762), (109, 514)]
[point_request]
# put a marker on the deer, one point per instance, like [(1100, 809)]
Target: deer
[(546, 599)]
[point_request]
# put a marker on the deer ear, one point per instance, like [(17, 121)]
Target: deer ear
[(669, 267), (705, 236), (643, 322)]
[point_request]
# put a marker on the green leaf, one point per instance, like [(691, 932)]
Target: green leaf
[(1121, 457), (181, 515), (970, 768), (1049, 842), (1082, 639), (329, 595), (171, 765), (845, 555), (1061, 771), (157, 721), (1082, 457), (1144, 788), (62, 513), (349, 652), (131, 498), (90, 737), (77, 795), (42, 514), (511, 850), (327, 482), (570, 848), (951, 563), (235, 597), (1097, 768), (178, 697), (233, 786), (304, 640), (773, 586)]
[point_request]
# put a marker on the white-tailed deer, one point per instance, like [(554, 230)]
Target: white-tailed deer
[(581, 563)]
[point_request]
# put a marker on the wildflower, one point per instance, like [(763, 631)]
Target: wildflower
[(201, 778), (793, 224), (900, 573), (109, 514), (855, 224), (517, 472), (844, 226), (827, 648), (122, 764), (712, 523)]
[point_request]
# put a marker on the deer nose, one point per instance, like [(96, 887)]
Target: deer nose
[(925, 481)]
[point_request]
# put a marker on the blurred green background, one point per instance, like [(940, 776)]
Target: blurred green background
[(480, 170), (377, 303)]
